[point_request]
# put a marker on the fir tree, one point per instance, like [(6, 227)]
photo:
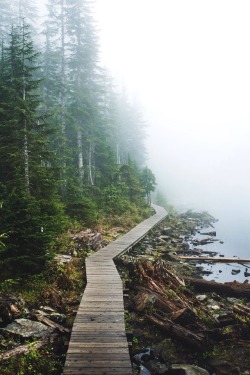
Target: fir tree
[(31, 213)]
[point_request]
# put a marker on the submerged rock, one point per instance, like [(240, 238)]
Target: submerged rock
[(235, 272)]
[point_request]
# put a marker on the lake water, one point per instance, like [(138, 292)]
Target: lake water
[(233, 229)]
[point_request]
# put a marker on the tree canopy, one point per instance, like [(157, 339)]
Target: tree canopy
[(71, 145)]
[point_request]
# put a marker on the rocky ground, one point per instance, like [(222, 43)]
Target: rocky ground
[(176, 323), (184, 327)]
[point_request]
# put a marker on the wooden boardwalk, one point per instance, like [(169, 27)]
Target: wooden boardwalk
[(98, 343)]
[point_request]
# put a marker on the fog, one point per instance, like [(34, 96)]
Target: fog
[(188, 64)]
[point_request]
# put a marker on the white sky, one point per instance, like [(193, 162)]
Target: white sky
[(188, 62)]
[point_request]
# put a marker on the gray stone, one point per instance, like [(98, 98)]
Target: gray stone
[(26, 328), (190, 370), (144, 371), (201, 297)]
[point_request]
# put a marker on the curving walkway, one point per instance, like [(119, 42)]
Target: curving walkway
[(98, 343)]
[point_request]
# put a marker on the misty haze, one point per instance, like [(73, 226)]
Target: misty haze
[(113, 114), (187, 63)]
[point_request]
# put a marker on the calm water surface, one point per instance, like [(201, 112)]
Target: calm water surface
[(234, 230)]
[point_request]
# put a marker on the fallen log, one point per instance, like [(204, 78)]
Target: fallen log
[(176, 331), (213, 233), (22, 349), (212, 259), (49, 322), (234, 289), (243, 310)]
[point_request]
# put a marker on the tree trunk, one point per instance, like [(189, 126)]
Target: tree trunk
[(235, 289), (80, 157), (176, 331)]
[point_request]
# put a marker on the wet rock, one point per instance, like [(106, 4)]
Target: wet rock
[(235, 272), (144, 371), (189, 369), (143, 356), (25, 328), (246, 273)]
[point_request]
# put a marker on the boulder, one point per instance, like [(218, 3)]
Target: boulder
[(25, 328)]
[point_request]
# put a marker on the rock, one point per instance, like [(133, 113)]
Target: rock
[(58, 318), (189, 369), (167, 230), (214, 307), (60, 258), (157, 368), (201, 297), (144, 355), (246, 273), (144, 371), (25, 328), (165, 350), (235, 272)]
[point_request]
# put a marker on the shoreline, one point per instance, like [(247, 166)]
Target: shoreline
[(170, 314)]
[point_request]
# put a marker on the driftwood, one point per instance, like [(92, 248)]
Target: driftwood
[(176, 331), (22, 349), (212, 259), (234, 289), (243, 310), (49, 322)]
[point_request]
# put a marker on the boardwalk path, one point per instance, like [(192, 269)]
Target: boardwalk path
[(98, 343)]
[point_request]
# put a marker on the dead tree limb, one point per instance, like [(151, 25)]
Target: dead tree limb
[(234, 289), (178, 332)]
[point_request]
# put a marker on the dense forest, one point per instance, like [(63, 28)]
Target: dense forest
[(71, 143)]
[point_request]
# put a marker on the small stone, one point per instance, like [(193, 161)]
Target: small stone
[(214, 307), (235, 272)]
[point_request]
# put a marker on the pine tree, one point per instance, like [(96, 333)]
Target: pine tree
[(148, 183), (31, 213)]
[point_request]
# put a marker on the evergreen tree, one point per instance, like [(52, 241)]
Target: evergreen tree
[(31, 213), (55, 83), (6, 17), (148, 183)]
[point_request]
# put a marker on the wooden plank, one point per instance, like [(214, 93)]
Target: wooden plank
[(98, 343)]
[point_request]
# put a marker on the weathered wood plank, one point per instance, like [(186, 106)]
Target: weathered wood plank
[(98, 343)]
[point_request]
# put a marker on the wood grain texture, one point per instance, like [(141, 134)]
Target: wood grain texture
[(98, 343)]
